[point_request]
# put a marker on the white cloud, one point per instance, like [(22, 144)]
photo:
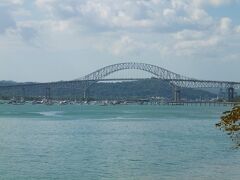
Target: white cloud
[(11, 2), (126, 45), (185, 26), (45, 3), (196, 44), (169, 13), (6, 20), (225, 25), (189, 35), (237, 29), (201, 3), (139, 15), (129, 26), (173, 30)]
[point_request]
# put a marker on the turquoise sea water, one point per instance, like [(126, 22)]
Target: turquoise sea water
[(115, 142)]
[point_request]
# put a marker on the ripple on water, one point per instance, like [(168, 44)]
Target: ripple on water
[(51, 113)]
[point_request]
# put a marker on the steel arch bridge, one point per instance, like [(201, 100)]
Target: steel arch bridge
[(157, 71), (177, 80)]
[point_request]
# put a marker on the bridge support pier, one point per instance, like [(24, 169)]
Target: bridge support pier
[(48, 93), (86, 89), (230, 94), (23, 94), (177, 94), (84, 94)]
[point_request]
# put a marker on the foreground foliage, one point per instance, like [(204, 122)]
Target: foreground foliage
[(230, 123)]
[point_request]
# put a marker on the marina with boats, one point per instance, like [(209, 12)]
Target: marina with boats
[(147, 101)]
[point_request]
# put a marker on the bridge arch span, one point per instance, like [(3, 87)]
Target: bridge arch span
[(157, 71)]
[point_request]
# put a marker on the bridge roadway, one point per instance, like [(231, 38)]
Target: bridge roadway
[(183, 83)]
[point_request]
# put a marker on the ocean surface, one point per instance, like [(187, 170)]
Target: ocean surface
[(90, 142)]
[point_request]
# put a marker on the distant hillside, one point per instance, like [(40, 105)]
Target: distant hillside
[(119, 90), (7, 83), (143, 89)]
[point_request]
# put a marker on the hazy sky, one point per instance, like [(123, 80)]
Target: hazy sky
[(48, 40)]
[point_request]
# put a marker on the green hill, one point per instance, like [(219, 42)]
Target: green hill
[(143, 89), (119, 90)]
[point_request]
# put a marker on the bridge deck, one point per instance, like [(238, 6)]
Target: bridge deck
[(185, 83)]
